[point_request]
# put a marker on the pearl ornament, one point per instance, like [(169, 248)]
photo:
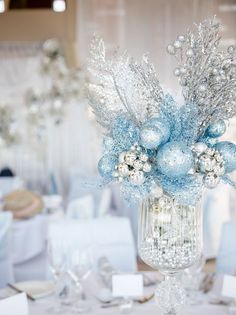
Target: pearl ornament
[(177, 44), (177, 72), (171, 49), (189, 52), (181, 38)]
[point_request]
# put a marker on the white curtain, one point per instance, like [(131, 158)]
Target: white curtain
[(72, 146)]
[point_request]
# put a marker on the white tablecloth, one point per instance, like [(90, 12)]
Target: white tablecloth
[(39, 308)]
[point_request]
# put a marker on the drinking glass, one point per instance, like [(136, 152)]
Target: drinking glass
[(79, 267), (57, 262)]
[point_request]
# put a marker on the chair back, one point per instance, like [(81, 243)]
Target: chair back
[(6, 263)]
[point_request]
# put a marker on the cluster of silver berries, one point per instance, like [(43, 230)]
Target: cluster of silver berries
[(211, 164), (133, 164)]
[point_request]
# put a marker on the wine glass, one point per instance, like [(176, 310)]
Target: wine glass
[(57, 260), (79, 267)]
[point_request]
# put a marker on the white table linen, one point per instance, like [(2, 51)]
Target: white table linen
[(109, 236)]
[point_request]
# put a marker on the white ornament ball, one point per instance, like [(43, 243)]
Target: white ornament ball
[(181, 38), (123, 169), (130, 157), (147, 167), (136, 178), (177, 72)]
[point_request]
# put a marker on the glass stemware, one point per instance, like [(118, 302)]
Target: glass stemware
[(79, 267), (170, 240), (57, 260)]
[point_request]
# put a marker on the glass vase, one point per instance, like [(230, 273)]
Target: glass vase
[(170, 240)]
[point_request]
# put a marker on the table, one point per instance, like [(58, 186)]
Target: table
[(39, 308)]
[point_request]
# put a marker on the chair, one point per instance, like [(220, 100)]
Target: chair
[(29, 248), (109, 236), (6, 266), (226, 259), (216, 211), (81, 208)]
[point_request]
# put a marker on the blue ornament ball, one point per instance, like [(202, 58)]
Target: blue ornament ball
[(174, 159), (216, 129), (106, 165), (154, 132), (228, 151)]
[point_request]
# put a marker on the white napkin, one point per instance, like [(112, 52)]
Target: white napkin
[(16, 304)]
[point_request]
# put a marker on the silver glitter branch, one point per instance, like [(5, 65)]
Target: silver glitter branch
[(122, 86), (207, 76)]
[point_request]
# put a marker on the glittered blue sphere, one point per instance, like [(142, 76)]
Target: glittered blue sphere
[(216, 129), (106, 165), (174, 159), (228, 151), (154, 132)]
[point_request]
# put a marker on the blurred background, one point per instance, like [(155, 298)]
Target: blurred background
[(49, 140)]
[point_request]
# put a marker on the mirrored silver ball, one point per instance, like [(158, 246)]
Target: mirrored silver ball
[(122, 157), (147, 167), (199, 148), (123, 169), (177, 44), (143, 157), (136, 177), (211, 180), (130, 157), (138, 165)]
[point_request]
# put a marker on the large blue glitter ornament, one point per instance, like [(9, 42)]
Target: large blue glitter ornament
[(106, 165), (216, 129), (154, 132), (228, 151), (174, 159)]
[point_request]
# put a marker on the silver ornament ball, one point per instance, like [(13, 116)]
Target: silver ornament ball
[(123, 169), (211, 180), (130, 157), (136, 178), (147, 167)]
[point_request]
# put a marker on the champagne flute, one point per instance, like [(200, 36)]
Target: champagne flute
[(79, 267), (57, 260)]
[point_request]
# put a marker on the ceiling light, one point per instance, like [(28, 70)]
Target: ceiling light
[(59, 5), (2, 6)]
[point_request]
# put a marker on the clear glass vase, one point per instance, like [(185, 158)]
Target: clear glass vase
[(170, 240)]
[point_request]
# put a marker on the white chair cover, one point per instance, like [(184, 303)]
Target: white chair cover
[(109, 236), (216, 211), (226, 259), (81, 208), (6, 266), (8, 184), (29, 245)]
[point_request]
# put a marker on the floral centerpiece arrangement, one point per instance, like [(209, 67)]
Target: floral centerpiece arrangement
[(162, 152)]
